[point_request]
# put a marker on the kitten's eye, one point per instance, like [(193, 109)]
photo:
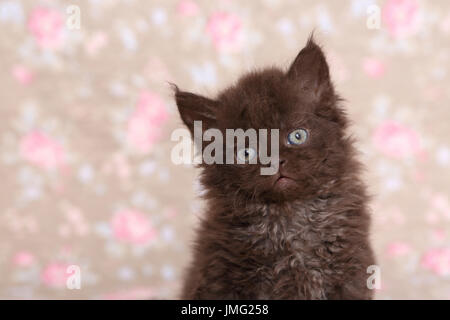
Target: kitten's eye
[(246, 154), (298, 136)]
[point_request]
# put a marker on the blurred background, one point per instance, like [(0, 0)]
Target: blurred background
[(86, 117)]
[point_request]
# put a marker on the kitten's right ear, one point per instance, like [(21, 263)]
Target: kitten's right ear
[(194, 107)]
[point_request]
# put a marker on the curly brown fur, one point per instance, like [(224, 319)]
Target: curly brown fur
[(307, 239)]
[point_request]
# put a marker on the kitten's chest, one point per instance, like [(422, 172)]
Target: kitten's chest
[(295, 229), (296, 244)]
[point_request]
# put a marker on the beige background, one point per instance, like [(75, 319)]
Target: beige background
[(86, 176)]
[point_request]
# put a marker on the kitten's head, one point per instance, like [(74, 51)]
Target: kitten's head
[(302, 104)]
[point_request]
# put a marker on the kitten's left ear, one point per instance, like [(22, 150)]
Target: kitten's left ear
[(311, 73), (310, 70)]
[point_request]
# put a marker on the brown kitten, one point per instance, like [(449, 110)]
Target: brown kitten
[(302, 233)]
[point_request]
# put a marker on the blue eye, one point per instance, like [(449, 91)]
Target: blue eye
[(298, 136), (246, 154)]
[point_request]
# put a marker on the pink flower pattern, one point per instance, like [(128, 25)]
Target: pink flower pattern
[(145, 124), (43, 151), (87, 117), (46, 25), (374, 68), (22, 74), (132, 226), (396, 140), (398, 249), (55, 275), (187, 8), (225, 30), (401, 17), (23, 259), (437, 261)]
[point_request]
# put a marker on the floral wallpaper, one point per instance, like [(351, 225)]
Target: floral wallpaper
[(87, 116)]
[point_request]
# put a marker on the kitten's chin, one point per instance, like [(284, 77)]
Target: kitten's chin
[(282, 189), (286, 189), (284, 183)]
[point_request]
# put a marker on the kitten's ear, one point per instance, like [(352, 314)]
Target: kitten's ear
[(194, 107), (310, 70)]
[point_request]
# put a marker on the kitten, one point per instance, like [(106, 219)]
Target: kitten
[(302, 233)]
